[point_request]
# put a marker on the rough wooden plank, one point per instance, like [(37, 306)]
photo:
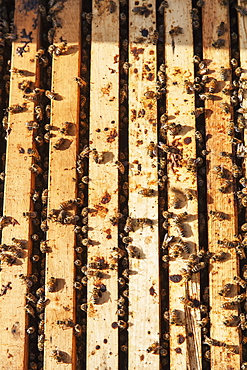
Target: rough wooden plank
[(18, 186), (62, 187), (179, 105), (102, 338), (144, 290), (217, 140)]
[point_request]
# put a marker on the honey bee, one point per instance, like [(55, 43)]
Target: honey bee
[(50, 95), (223, 73), (174, 318), (96, 157), (85, 152), (221, 29), (41, 341), (218, 43), (216, 215), (51, 284), (225, 108), (219, 256), (40, 305), (120, 166), (167, 239), (224, 186), (225, 290), (58, 144), (175, 251), (133, 251), (56, 355), (188, 86), (175, 202), (61, 48), (238, 280), (31, 330), (151, 149), (31, 298), (65, 128), (146, 192), (186, 274), (35, 169), (198, 267), (238, 71), (203, 322), (30, 310), (80, 81), (197, 112), (96, 295), (212, 85), (181, 230), (236, 171), (228, 321), (187, 302), (198, 136), (15, 108)]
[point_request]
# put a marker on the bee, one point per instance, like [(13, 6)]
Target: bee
[(224, 186), (40, 305), (50, 95), (96, 157), (221, 29), (238, 71), (175, 202), (188, 86), (31, 298), (219, 256), (58, 144), (203, 322), (15, 108), (181, 231), (225, 290), (238, 280), (65, 128), (236, 171), (229, 321), (206, 96), (186, 274), (225, 108), (219, 170), (61, 48), (175, 251), (199, 137), (151, 149), (197, 112), (239, 298), (35, 169), (31, 330), (120, 166), (56, 355), (216, 215), (41, 341), (80, 81), (218, 43), (146, 192), (223, 73), (51, 284), (244, 201), (133, 251), (174, 318), (187, 302), (212, 85), (96, 295), (167, 239), (128, 225), (198, 267), (30, 310), (244, 366)]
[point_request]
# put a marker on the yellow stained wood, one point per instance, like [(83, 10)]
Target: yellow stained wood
[(62, 187), (102, 338), (218, 140), (18, 187), (186, 353), (144, 286)]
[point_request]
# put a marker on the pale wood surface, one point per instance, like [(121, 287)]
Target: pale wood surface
[(218, 140), (18, 185), (102, 339), (179, 105), (144, 290), (62, 187)]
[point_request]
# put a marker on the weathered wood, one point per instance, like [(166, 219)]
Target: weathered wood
[(179, 105), (62, 187), (102, 338), (18, 187), (217, 123), (144, 286)]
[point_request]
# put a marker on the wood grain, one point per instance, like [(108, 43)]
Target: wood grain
[(62, 187), (186, 353), (144, 287), (218, 140), (18, 186), (102, 338)]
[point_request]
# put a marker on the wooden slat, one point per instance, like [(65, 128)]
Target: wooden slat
[(144, 287), (102, 338), (217, 141), (18, 185), (62, 187), (185, 339)]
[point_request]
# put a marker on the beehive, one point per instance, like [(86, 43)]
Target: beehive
[(123, 184)]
